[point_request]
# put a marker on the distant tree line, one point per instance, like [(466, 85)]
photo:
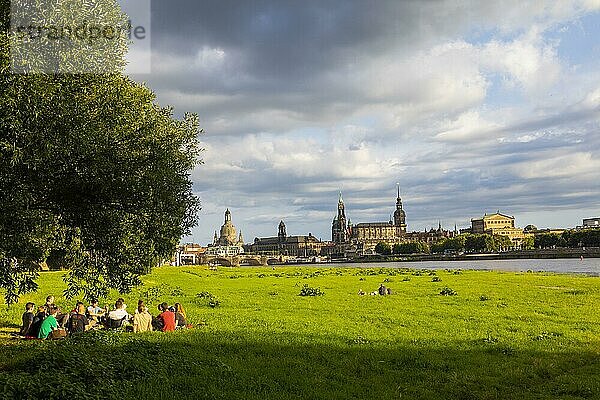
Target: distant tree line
[(476, 243), (570, 239)]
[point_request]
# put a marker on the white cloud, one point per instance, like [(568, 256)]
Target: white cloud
[(559, 166), (528, 62)]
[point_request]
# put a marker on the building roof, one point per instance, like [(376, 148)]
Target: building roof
[(373, 225), (487, 216), (288, 239)]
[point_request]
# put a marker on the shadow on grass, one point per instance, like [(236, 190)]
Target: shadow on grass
[(201, 365)]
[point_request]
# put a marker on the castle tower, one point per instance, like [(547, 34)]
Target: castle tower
[(339, 227), (399, 214), (282, 234), (241, 239)]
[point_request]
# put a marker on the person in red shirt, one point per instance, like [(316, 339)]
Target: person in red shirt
[(168, 318)]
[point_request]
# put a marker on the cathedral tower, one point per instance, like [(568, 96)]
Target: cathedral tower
[(400, 215), (339, 227)]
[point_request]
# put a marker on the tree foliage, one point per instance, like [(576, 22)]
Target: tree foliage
[(411, 248), (95, 177), (570, 238), (456, 243), (383, 248), (475, 243)]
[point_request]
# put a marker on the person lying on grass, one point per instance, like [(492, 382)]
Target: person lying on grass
[(50, 323)]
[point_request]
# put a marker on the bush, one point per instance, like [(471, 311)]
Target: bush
[(436, 279), (212, 300), (309, 291), (448, 292)]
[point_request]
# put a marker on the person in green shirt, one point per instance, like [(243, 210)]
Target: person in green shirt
[(50, 323)]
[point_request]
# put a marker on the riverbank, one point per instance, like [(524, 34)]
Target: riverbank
[(544, 254)]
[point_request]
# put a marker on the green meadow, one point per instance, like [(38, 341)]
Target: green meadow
[(501, 336)]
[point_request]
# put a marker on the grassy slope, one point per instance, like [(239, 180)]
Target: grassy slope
[(538, 336)]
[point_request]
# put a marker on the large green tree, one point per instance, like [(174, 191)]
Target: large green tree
[(94, 176)]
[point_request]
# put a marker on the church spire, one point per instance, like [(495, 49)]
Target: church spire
[(398, 199)]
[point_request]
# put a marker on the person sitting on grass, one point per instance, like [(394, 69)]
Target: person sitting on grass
[(61, 318), (50, 323), (49, 302), (78, 322), (27, 319), (382, 290), (141, 302), (122, 300), (94, 311), (142, 320), (168, 318), (34, 329), (180, 317), (157, 323), (118, 317)]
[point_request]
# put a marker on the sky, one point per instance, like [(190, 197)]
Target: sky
[(471, 106)]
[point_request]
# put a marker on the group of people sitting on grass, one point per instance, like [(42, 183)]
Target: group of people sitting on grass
[(49, 321)]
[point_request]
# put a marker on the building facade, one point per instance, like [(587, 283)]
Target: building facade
[(498, 224), (591, 223), (432, 235), (188, 254), (367, 235), (282, 244)]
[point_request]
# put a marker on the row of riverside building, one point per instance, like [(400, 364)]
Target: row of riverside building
[(351, 240)]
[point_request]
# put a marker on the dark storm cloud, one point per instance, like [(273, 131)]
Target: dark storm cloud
[(280, 39)]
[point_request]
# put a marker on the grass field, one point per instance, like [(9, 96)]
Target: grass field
[(503, 336)]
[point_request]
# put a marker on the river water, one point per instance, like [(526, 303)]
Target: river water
[(564, 265)]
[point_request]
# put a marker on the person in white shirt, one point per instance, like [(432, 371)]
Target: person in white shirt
[(118, 314)]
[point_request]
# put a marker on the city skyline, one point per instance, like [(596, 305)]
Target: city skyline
[(328, 236), (473, 107)]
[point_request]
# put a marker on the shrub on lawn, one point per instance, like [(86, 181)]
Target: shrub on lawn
[(212, 300), (309, 291), (448, 292)]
